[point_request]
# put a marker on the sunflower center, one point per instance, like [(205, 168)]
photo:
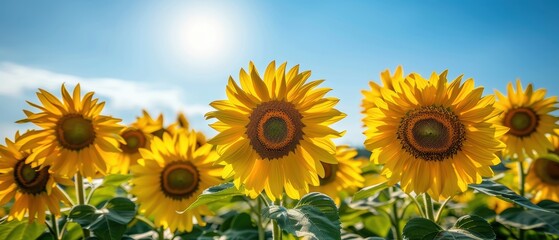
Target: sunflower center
[(74, 132), (547, 170), (135, 139), (274, 129), (329, 173), (431, 133), (30, 180), (179, 180), (521, 121)]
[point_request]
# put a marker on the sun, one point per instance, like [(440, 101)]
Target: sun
[(203, 35)]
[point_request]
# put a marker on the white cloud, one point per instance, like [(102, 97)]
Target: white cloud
[(119, 94)]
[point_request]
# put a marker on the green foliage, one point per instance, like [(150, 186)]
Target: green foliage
[(492, 188), (530, 219), (110, 222), (315, 216), (21, 230), (369, 191), (109, 188), (466, 227), (216, 193)]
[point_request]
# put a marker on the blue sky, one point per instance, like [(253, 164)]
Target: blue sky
[(168, 56)]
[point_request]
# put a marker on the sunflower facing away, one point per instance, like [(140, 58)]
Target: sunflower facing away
[(433, 136), (152, 126), (74, 136), (182, 124), (527, 114), (344, 176), (542, 179), (33, 189), (369, 96), (274, 131), (171, 174)]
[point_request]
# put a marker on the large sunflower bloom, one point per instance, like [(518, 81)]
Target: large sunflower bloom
[(33, 189), (433, 136), (527, 114), (342, 177), (74, 136), (369, 96), (273, 131), (542, 179), (172, 173)]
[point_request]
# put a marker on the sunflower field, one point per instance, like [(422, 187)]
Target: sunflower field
[(441, 160)]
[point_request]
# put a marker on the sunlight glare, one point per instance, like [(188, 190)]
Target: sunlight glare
[(204, 35)]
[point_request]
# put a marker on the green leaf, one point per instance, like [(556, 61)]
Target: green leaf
[(369, 191), (73, 232), (232, 234), (109, 188), (530, 219), (492, 188), (353, 236), (108, 229), (84, 215), (121, 210), (21, 230), (46, 236), (216, 193), (242, 221), (421, 228), (467, 227), (549, 205), (109, 222), (475, 226), (315, 217)]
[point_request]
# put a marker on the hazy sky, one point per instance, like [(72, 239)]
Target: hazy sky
[(169, 56)]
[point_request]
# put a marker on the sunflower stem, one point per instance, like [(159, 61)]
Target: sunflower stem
[(396, 221), (417, 205), (521, 178), (276, 230), (429, 207), (261, 232), (54, 226), (521, 184), (80, 192), (161, 233), (440, 211), (80, 189)]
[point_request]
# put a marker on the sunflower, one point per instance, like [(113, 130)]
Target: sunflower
[(152, 126), (342, 177), (182, 124), (171, 174), (527, 114), (369, 96), (273, 131), (433, 136), (135, 139), (33, 189), (542, 179), (74, 137)]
